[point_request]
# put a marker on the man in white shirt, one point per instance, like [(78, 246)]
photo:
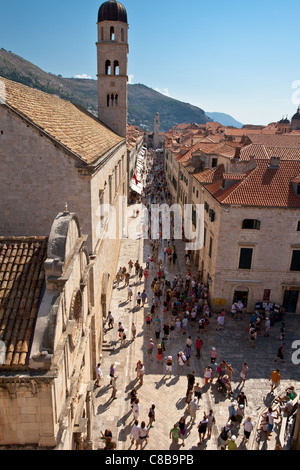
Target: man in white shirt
[(135, 433)]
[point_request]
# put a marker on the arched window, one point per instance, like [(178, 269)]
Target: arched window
[(112, 99), (112, 33), (116, 100), (116, 67), (107, 67), (108, 100), (122, 35)]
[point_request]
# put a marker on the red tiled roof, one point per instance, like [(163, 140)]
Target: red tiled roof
[(263, 186), (21, 283)]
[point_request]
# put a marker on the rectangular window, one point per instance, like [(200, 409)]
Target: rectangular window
[(204, 236), (295, 264), (298, 227), (210, 247), (251, 224), (245, 258)]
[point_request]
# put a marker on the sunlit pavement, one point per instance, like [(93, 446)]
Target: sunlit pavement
[(168, 394)]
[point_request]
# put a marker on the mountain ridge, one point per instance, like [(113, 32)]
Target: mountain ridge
[(143, 102)]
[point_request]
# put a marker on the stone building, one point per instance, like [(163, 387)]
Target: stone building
[(54, 155), (249, 192), (48, 327)]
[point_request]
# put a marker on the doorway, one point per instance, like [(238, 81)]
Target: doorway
[(290, 300), (242, 295)]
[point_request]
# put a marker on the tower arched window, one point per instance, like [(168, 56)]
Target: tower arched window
[(112, 99), (108, 100), (122, 35), (112, 33), (107, 67), (116, 67), (116, 100)]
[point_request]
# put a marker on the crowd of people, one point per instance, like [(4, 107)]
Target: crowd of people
[(177, 304)]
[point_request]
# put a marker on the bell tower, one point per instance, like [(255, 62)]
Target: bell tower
[(112, 57)]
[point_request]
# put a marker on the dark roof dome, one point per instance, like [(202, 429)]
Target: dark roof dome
[(112, 11), (297, 115)]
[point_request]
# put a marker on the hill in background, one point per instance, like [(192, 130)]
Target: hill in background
[(143, 102)]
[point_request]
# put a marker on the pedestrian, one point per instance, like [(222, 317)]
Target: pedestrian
[(133, 331), (275, 378), (202, 428), (174, 435), (199, 344), (239, 308), (232, 412), (112, 370), (242, 399), (213, 355), (207, 375), (135, 433), (197, 391), (98, 375), (148, 321), (110, 444), (159, 354), (150, 347), (169, 365), (181, 361), (110, 320), (141, 374), (144, 297), (113, 383), (240, 414), (253, 336), (210, 423), (232, 443), (267, 326), (138, 299), (248, 426), (192, 409), (157, 327), (243, 373), (136, 410), (127, 277), (188, 354), (151, 416), (133, 396), (129, 293), (120, 329), (225, 435), (182, 427), (143, 435), (280, 353), (123, 338)]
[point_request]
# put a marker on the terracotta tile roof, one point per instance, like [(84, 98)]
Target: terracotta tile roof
[(21, 283), (260, 151), (262, 186), (74, 128)]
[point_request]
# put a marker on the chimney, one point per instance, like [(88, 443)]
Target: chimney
[(274, 162), (237, 153)]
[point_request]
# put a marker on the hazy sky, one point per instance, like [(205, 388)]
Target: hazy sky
[(233, 56)]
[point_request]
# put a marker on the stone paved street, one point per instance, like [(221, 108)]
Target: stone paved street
[(168, 394)]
